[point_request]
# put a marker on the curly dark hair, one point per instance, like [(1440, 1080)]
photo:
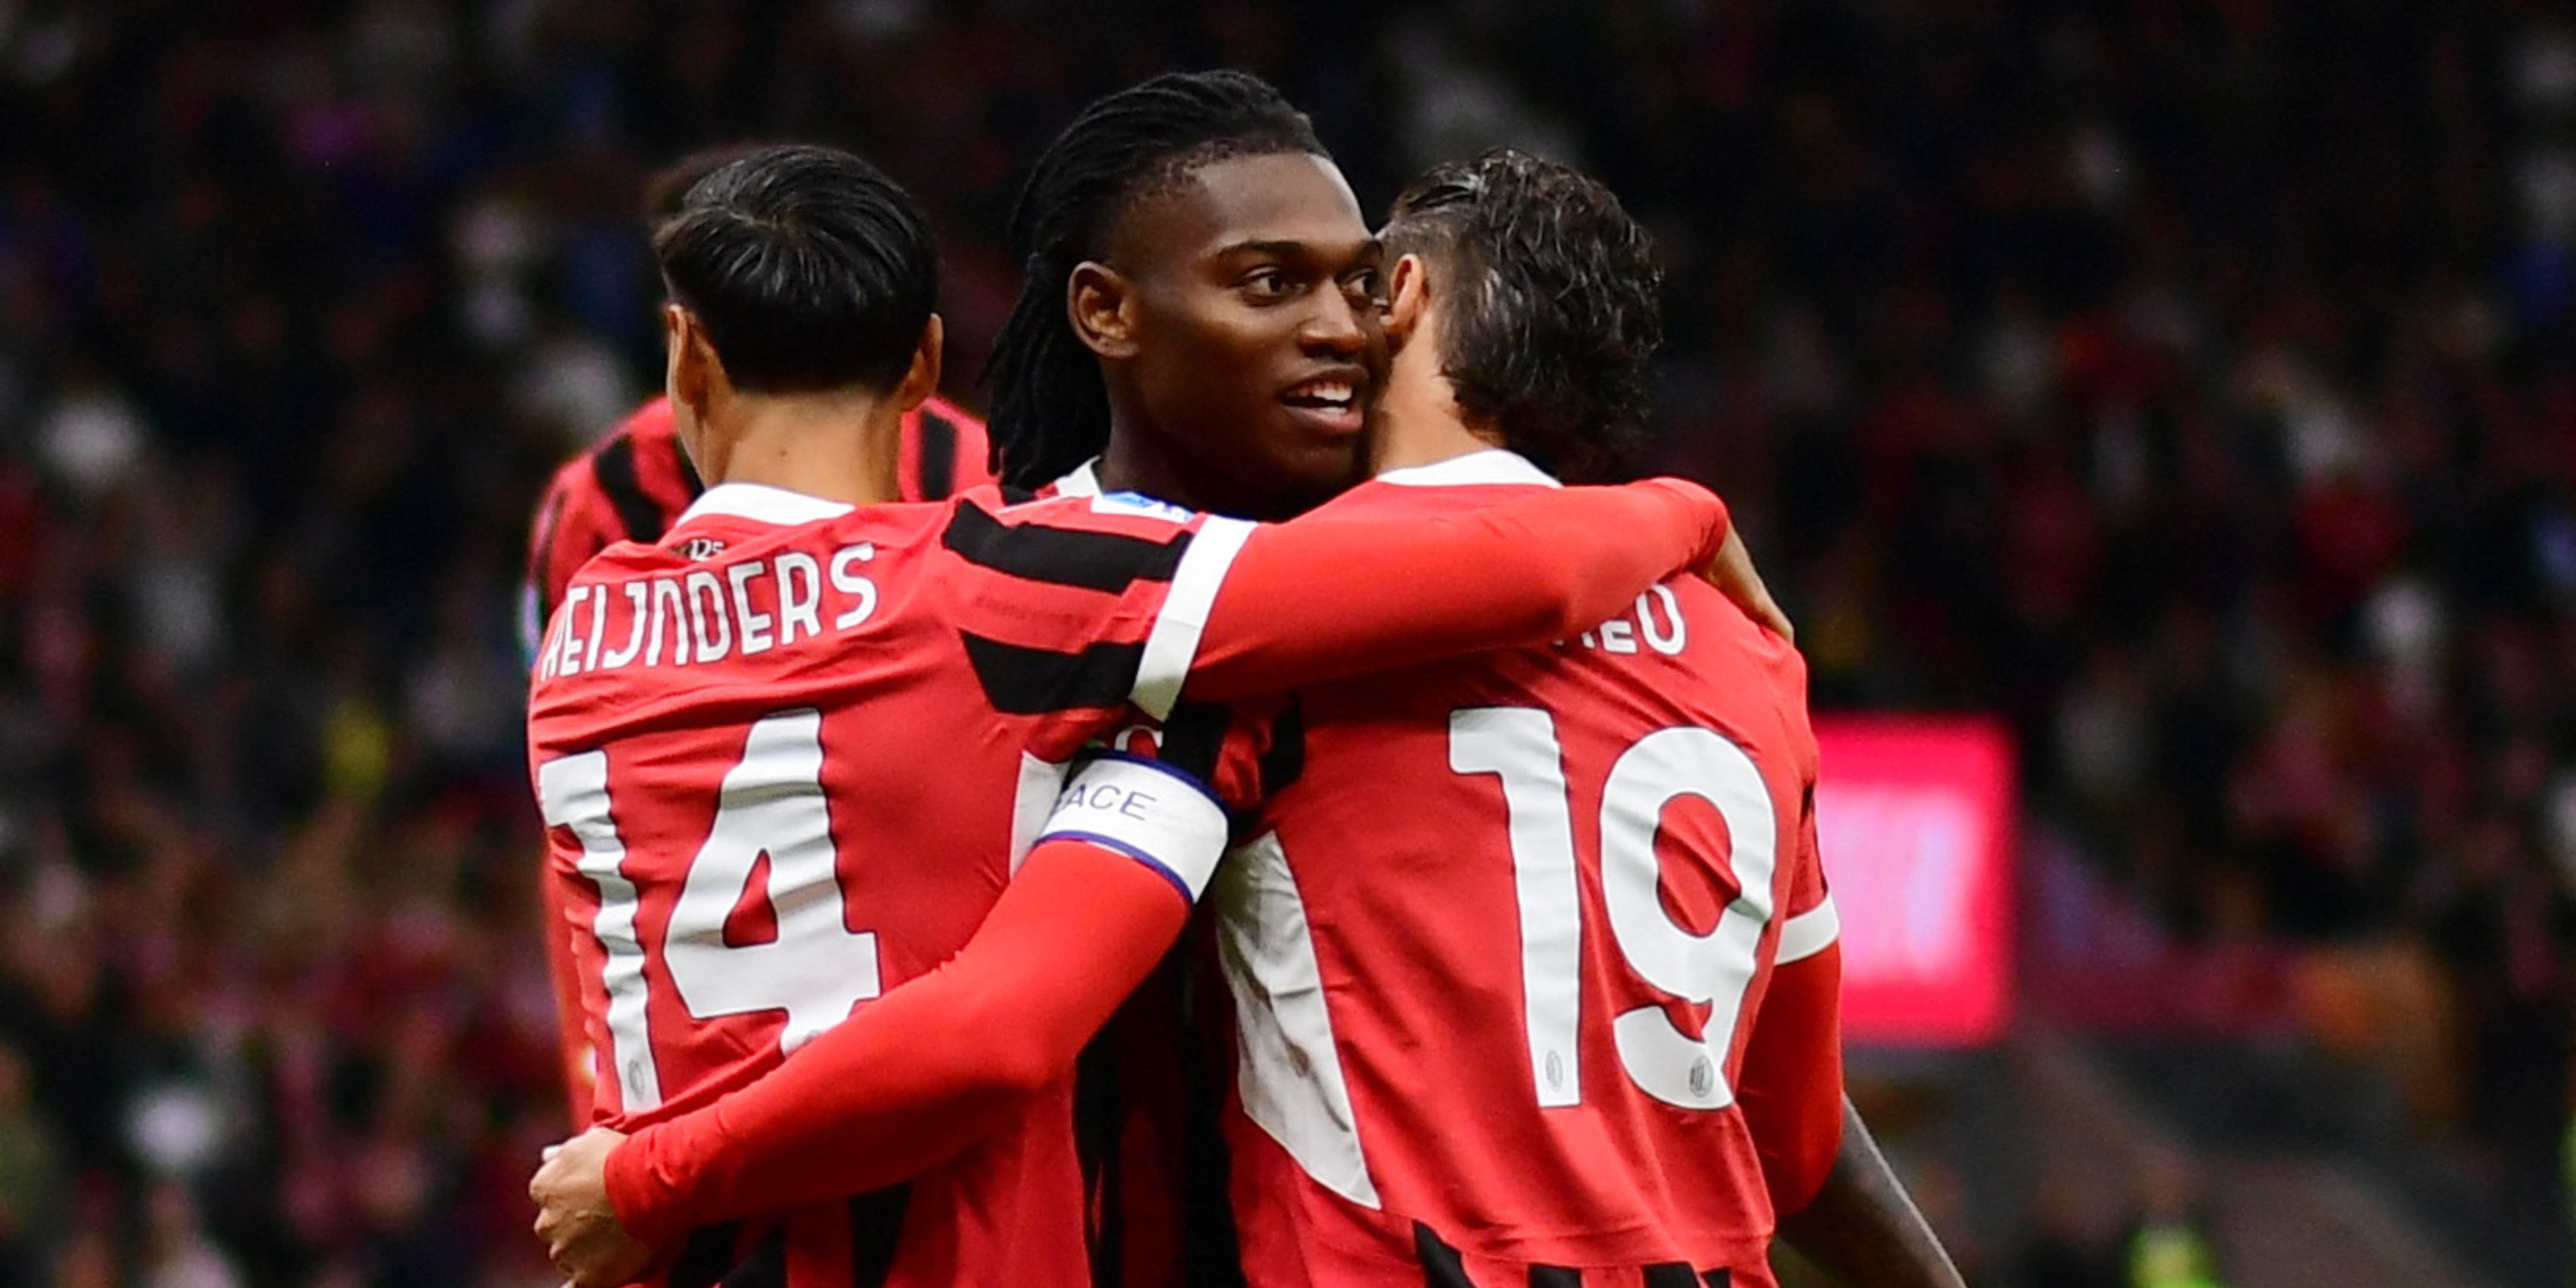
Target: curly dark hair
[(1549, 319)]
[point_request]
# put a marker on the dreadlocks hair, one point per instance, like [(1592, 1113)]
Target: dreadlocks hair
[(1548, 319), (1050, 409)]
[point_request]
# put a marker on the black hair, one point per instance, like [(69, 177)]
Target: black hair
[(1050, 408), (808, 267), (1548, 316), (667, 188)]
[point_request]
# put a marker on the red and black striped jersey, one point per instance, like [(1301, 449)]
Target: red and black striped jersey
[(790, 755), (631, 487), (1496, 941), (636, 481)]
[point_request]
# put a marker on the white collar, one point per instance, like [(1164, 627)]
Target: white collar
[(762, 503), (1493, 465), (1083, 480)]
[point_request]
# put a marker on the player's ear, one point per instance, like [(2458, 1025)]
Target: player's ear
[(1408, 295), (689, 356), (1101, 303), (922, 380)]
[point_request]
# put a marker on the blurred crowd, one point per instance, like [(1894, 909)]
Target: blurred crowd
[(2189, 383)]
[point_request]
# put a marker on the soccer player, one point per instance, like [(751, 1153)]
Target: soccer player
[(632, 485), (1544, 1191), (788, 754)]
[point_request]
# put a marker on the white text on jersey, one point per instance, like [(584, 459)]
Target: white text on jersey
[(709, 614), (1621, 634)]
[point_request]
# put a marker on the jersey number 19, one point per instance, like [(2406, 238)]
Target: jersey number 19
[(1519, 745)]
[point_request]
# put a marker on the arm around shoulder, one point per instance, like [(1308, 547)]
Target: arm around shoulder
[(1331, 595)]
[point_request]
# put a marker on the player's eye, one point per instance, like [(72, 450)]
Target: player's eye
[(1268, 284), (1366, 287)]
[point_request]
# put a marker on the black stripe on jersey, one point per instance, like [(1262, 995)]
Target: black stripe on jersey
[(1061, 556), (1098, 1110), (706, 1256), (876, 1226), (1671, 1274), (1718, 1278), (1555, 1277), (1284, 761), (1441, 1267), (614, 467), (1194, 738), (1016, 495), (938, 456), (1023, 681), (764, 1267), (1212, 1257)]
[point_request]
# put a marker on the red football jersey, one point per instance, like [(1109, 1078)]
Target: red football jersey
[(1496, 941), (631, 487), (727, 732)]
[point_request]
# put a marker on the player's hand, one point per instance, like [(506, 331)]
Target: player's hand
[(583, 1238), (1733, 573)]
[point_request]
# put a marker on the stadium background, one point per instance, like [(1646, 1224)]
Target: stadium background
[(2191, 386)]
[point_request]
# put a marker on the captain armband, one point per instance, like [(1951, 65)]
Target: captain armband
[(1146, 810)]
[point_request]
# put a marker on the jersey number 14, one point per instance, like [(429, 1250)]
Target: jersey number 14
[(771, 802)]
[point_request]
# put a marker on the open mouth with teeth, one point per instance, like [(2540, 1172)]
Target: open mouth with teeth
[(1331, 404)]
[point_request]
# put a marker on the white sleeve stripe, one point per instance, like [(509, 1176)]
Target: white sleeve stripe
[(1174, 643), (1809, 933), (1148, 811)]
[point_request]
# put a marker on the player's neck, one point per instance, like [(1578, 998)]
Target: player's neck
[(838, 446), (1145, 462), (1130, 464), (1419, 421)]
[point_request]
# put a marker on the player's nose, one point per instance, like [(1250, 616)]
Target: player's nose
[(1336, 326)]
